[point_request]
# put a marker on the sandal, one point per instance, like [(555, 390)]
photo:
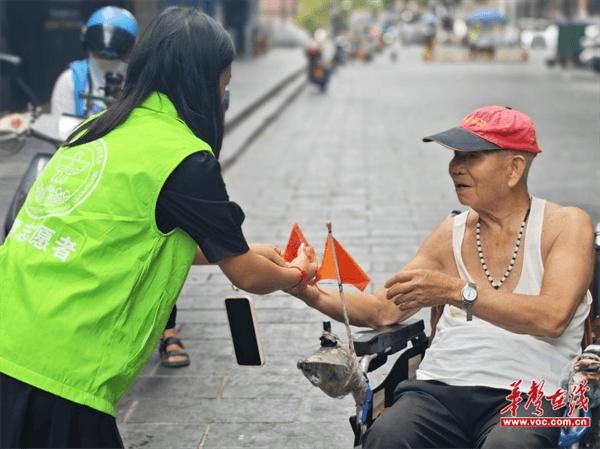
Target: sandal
[(166, 355)]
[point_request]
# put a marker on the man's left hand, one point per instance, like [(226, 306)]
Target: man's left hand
[(412, 289)]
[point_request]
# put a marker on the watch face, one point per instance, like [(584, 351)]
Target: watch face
[(469, 294)]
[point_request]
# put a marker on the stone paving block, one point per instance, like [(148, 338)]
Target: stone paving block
[(205, 332), (289, 315), (257, 384), (204, 290), (149, 392), (320, 405), (162, 436), (263, 315), (278, 301), (257, 410), (207, 357), (190, 385), (213, 301), (215, 283), (279, 435), (276, 365), (151, 365), (282, 363), (171, 410), (387, 267), (203, 316), (391, 251)]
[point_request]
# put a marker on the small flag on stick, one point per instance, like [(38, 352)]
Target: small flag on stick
[(350, 272), (339, 265), (296, 239)]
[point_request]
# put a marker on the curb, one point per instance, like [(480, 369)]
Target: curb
[(248, 110), (270, 118)]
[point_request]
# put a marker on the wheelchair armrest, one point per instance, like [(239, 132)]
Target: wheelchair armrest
[(388, 340)]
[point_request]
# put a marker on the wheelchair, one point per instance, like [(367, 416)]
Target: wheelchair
[(375, 346)]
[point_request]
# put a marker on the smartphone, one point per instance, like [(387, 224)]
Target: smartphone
[(244, 331)]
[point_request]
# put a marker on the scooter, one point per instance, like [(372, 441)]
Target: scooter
[(318, 72), (16, 128), (48, 129)]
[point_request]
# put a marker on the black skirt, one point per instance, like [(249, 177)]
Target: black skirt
[(30, 417)]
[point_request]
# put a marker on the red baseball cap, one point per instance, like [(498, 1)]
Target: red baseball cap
[(490, 128)]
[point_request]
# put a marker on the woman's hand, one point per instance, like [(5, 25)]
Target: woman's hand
[(269, 251), (306, 259), (412, 289)]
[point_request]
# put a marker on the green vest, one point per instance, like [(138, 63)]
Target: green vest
[(87, 281)]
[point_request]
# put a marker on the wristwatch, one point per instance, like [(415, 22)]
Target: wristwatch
[(468, 296)]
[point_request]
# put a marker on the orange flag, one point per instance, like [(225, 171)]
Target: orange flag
[(294, 242), (350, 271)]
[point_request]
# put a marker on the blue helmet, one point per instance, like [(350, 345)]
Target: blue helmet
[(111, 32)]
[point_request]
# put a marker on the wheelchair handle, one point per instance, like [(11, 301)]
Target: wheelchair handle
[(365, 361)]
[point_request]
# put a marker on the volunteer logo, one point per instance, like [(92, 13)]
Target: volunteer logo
[(70, 177)]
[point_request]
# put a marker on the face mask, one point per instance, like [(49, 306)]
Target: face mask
[(99, 67), (102, 72)]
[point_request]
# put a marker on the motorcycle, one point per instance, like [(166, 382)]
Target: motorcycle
[(318, 72)]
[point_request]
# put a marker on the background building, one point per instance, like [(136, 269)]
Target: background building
[(277, 9)]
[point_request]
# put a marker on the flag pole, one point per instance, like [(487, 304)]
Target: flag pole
[(340, 288)]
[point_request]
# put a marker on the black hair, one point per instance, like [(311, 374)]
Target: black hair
[(181, 54)]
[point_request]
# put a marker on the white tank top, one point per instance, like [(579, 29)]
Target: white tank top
[(479, 353)]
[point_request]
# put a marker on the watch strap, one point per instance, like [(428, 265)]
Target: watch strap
[(466, 305)]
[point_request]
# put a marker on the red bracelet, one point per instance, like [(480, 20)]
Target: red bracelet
[(302, 277)]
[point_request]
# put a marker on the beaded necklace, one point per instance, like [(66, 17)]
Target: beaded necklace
[(493, 282)]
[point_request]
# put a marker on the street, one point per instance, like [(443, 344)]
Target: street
[(353, 156)]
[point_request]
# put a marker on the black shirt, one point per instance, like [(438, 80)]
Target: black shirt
[(194, 199)]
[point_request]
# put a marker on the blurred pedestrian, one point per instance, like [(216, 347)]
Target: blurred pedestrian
[(473, 39)]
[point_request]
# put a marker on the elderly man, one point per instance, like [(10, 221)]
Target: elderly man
[(507, 283)]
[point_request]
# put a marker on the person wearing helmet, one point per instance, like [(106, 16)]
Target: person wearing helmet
[(108, 37)]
